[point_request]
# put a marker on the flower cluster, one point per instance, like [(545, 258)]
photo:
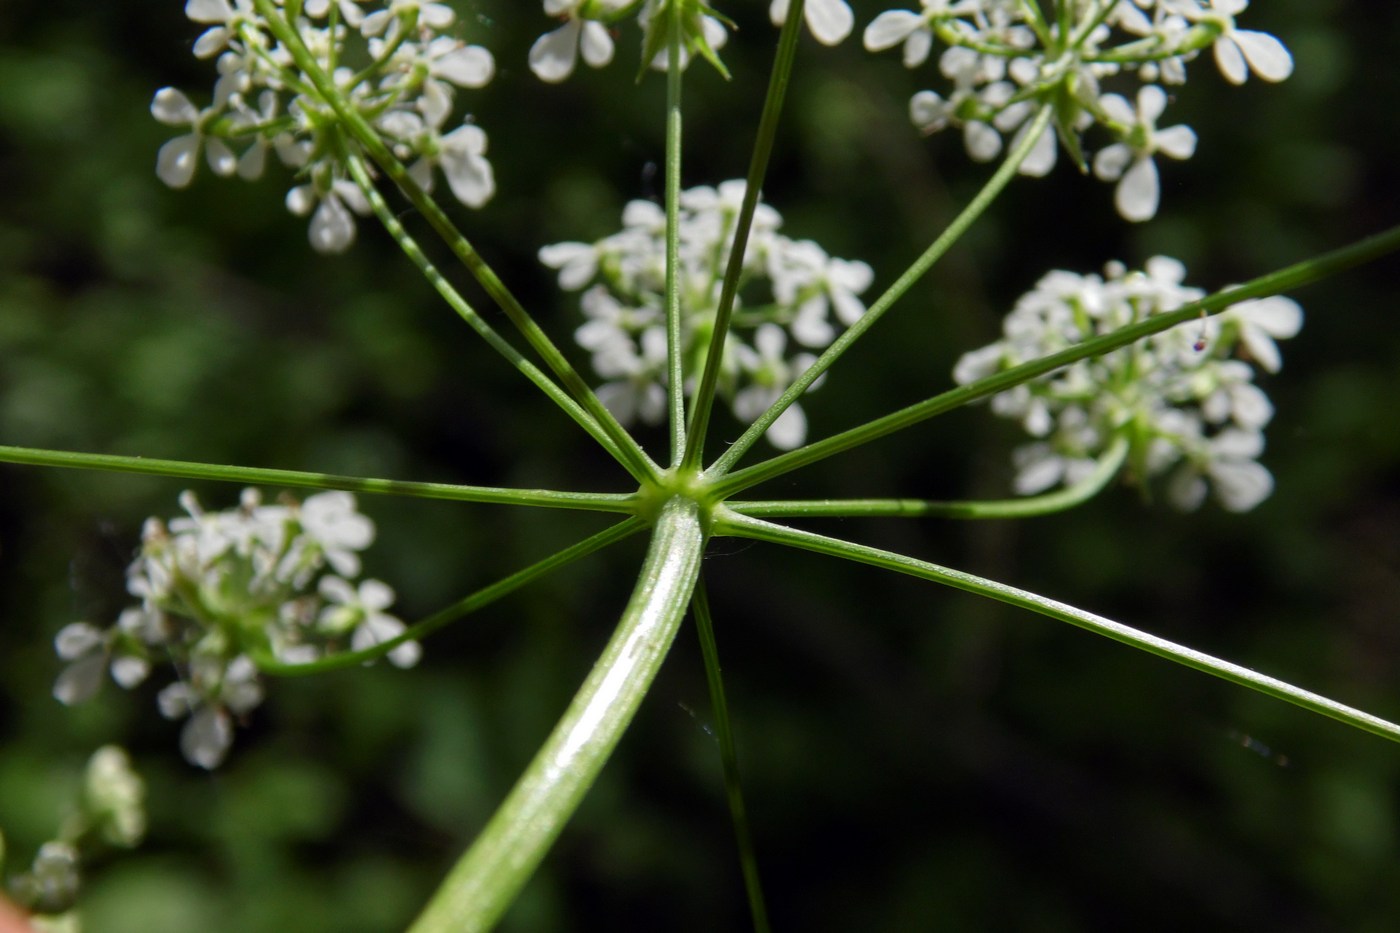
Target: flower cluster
[(217, 588), (1184, 399), (789, 289), (392, 64), (1005, 58)]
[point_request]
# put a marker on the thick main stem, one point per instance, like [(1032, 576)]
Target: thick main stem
[(487, 878)]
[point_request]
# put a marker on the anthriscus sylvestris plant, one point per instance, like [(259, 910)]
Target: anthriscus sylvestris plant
[(1134, 374)]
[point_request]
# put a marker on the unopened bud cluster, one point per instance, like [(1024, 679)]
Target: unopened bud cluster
[(794, 298), (217, 587), (109, 811), (1184, 399)]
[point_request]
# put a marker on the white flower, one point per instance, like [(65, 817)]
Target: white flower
[(831, 21), (212, 691), (178, 157), (350, 12), (1130, 163), (577, 263), (771, 373), (1228, 461), (1240, 51), (360, 610), (1178, 397), (331, 520), (85, 646), (553, 55), (469, 174), (894, 27), (332, 227), (1261, 322)]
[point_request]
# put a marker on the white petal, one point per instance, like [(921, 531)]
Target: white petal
[(1138, 192), (211, 42), (777, 12), (1276, 316), (1111, 161), (1039, 475), (252, 162), (1236, 444), (1267, 57), (1118, 108), (983, 143), (1151, 100), (406, 655), (332, 228), (789, 430), (468, 67), (128, 670), (889, 29), (830, 20), (1186, 489), (80, 680), (1241, 486), (77, 639), (376, 594), (553, 55), (301, 199), (1179, 142), (1230, 60), (917, 48), (208, 11), (221, 157), (470, 177), (928, 111), (596, 44), (171, 107), (1041, 159), (176, 160), (206, 738)]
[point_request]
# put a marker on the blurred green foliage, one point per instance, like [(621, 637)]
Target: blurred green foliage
[(914, 758)]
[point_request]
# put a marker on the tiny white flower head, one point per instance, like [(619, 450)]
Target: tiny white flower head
[(554, 54), (178, 157), (332, 521), (332, 228), (115, 795), (1130, 163), (894, 27), (1261, 322), (464, 162), (1240, 51)]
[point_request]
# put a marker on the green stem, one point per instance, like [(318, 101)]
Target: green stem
[(1272, 284), (465, 606), (1026, 507), (733, 788), (702, 404), (486, 880), (675, 350), (466, 312), (354, 122), (941, 245), (111, 463), (743, 526)]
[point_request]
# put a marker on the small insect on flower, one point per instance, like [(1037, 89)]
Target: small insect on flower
[(1200, 343)]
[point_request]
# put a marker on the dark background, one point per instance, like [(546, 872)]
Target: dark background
[(913, 757)]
